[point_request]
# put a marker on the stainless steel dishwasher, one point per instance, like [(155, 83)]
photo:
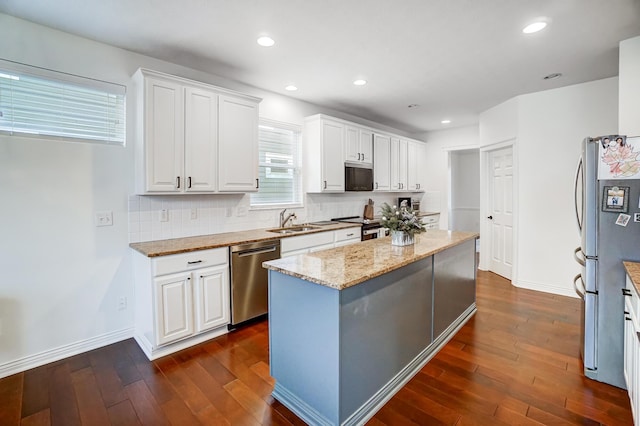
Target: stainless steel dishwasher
[(249, 280)]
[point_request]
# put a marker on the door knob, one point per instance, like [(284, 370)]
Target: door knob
[(490, 217)]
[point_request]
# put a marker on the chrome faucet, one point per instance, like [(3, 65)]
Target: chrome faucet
[(283, 220)]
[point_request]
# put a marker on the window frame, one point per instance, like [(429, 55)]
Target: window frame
[(296, 167)]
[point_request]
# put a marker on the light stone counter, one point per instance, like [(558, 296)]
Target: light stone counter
[(347, 266), (633, 270), (204, 242)]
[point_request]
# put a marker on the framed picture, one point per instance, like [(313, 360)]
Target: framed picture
[(615, 199)]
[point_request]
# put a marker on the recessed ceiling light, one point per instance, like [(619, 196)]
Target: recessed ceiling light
[(291, 88), (266, 41), (413, 106), (552, 76), (534, 27), (446, 121), (360, 82)]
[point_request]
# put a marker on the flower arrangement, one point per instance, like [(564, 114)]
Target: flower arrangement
[(401, 219)]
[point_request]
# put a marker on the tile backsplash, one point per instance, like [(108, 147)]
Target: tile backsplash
[(191, 215)]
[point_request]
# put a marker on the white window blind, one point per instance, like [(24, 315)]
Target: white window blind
[(279, 165), (37, 102)]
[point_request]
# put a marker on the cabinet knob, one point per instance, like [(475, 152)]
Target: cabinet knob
[(490, 217)]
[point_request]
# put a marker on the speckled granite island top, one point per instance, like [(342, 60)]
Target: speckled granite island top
[(205, 242), (347, 266), (633, 270)]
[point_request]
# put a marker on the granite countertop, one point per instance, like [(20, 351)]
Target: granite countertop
[(204, 242), (633, 270), (343, 267)]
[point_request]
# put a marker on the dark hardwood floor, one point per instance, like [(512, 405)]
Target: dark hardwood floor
[(515, 363)]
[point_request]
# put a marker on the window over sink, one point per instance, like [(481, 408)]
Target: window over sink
[(280, 177)]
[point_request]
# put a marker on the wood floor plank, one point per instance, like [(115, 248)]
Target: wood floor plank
[(147, 409), (35, 394), (11, 399), (90, 404), (123, 414), (64, 405), (41, 418)]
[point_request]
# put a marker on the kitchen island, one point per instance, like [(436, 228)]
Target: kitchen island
[(348, 327)]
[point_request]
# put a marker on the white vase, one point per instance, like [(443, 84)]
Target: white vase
[(401, 238)]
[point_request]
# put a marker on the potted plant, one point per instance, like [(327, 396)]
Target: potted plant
[(402, 223)]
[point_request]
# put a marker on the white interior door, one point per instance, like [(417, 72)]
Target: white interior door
[(501, 211)]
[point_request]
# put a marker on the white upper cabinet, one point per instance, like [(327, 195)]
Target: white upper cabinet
[(358, 145), (238, 145), (201, 140), (164, 125), (323, 162), (381, 163), (193, 137), (398, 155), (416, 152)]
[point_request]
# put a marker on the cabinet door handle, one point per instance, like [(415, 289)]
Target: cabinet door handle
[(363, 156), (178, 182), (350, 235), (194, 262), (325, 184), (376, 185), (257, 183), (627, 319), (626, 292), (189, 182)]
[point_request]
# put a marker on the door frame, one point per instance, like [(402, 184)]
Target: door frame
[(485, 179)]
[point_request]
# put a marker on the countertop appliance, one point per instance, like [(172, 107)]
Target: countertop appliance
[(249, 280), (358, 177), (371, 228), (609, 235)]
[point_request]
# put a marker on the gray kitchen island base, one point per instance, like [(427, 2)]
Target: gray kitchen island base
[(338, 355)]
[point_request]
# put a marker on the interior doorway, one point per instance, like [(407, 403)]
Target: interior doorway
[(464, 190)]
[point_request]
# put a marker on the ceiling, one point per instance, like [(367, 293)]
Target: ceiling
[(453, 58)]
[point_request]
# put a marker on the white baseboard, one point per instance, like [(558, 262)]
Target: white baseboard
[(61, 352), (546, 288)]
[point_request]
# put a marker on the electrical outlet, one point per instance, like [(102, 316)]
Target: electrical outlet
[(164, 215), (122, 303), (104, 218), (194, 214), (636, 217)]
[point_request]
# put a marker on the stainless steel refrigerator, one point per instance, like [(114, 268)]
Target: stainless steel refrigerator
[(608, 213)]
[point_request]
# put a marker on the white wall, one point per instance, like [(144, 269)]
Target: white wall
[(499, 124), (629, 88), (62, 276), (551, 126)]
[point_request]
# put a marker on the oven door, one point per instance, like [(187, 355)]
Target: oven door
[(371, 233)]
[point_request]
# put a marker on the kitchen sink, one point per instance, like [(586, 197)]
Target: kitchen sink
[(293, 229)]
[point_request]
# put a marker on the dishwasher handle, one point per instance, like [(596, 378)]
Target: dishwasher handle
[(255, 251)]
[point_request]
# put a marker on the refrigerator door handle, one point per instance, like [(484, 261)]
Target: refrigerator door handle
[(581, 261), (575, 194), (575, 286)]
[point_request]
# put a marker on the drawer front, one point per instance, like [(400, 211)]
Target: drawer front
[(434, 218), (348, 234), (305, 241), (189, 261)]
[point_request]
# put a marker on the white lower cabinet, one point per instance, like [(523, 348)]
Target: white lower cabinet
[(632, 348), (310, 243), (431, 221), (181, 300)]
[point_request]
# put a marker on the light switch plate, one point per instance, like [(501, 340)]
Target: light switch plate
[(104, 218)]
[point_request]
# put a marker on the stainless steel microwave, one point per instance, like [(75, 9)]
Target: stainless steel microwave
[(358, 177)]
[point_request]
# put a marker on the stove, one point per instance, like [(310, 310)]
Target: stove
[(371, 228)]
